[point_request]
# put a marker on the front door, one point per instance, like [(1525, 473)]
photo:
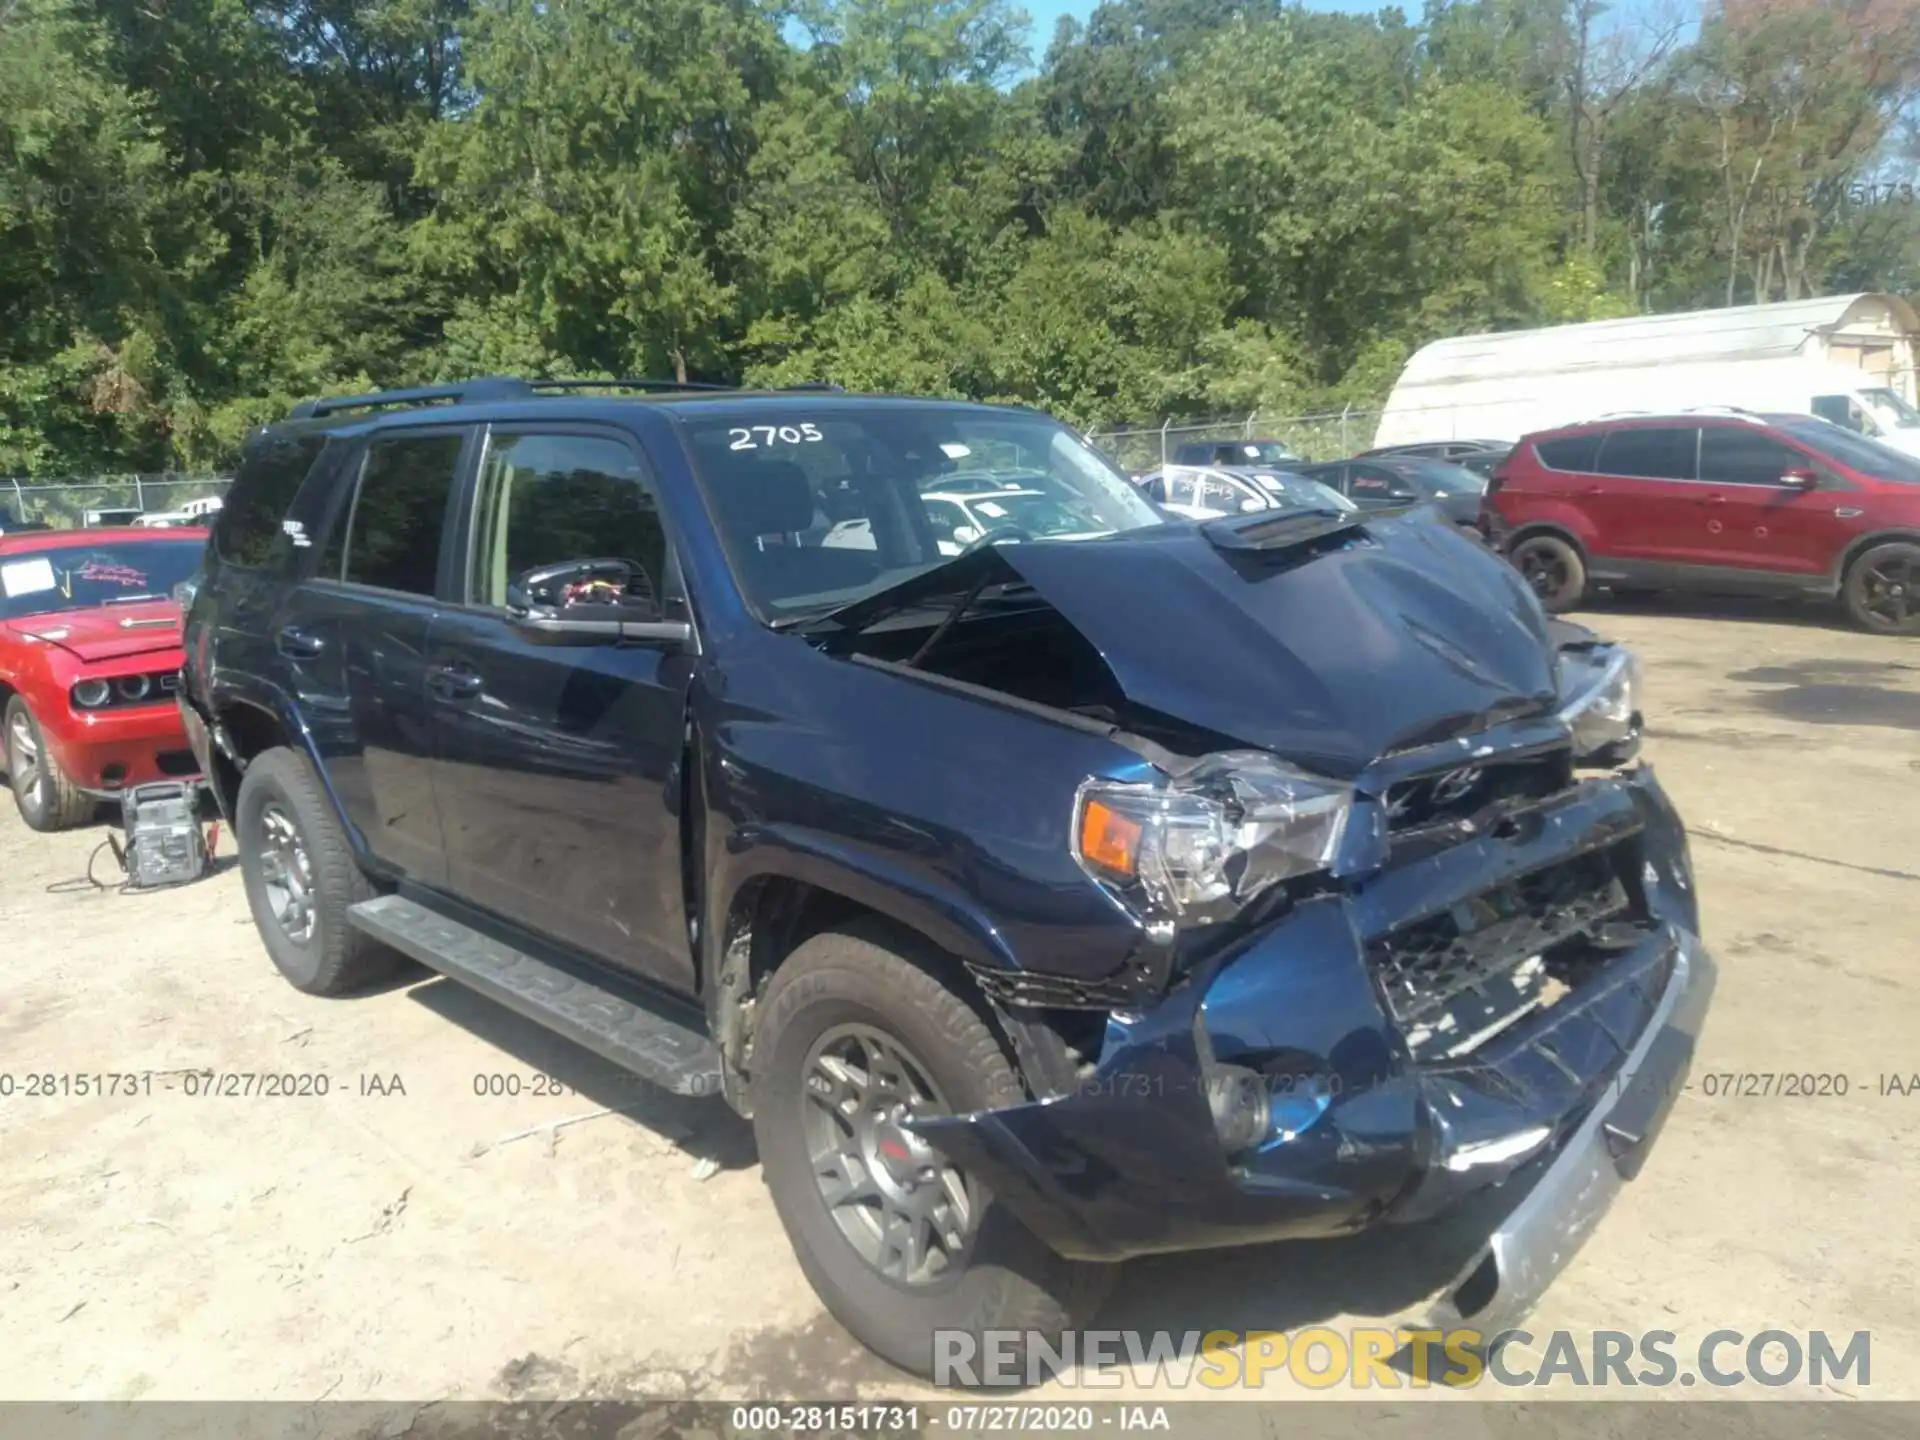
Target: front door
[(1757, 523), (559, 763)]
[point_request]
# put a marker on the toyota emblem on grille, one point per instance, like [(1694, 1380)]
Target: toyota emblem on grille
[(1456, 784)]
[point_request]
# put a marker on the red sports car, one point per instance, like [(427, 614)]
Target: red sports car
[(89, 663)]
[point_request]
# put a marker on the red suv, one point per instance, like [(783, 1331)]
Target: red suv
[(1730, 502)]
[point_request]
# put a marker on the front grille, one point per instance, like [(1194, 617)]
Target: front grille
[(1449, 798), (1455, 976)]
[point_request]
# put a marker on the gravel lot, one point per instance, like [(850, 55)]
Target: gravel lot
[(404, 1237)]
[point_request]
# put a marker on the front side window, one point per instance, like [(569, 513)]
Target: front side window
[(81, 577), (768, 470), (1734, 455), (1654, 452), (548, 499), (399, 510), (1856, 452)]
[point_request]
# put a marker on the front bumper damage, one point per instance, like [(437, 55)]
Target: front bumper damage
[(1545, 1119)]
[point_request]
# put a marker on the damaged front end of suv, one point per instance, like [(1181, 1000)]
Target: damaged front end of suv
[(1408, 921)]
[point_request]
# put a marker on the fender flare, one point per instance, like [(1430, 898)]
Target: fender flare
[(270, 700), (1909, 534)]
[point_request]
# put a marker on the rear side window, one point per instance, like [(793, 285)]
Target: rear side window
[(1738, 456), (1653, 453), (248, 531), (1569, 452), (399, 510)]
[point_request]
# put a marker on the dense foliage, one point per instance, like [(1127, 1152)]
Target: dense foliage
[(211, 208)]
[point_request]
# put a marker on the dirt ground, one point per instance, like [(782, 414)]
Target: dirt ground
[(404, 1237)]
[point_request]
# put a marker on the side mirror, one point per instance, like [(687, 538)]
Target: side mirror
[(965, 534), (1251, 507), (1800, 479), (591, 602)]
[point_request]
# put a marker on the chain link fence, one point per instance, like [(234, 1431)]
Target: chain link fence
[(107, 500), (1331, 436)]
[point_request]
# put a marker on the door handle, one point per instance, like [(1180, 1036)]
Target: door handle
[(1713, 500), (455, 682), (298, 644)]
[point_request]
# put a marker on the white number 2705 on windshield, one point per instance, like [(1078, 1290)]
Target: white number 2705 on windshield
[(744, 437)]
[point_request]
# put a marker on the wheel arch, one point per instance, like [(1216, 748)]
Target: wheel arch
[(1906, 534)]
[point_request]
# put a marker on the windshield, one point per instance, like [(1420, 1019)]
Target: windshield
[(1033, 514), (1262, 452), (1891, 407), (80, 577), (1301, 492), (823, 501), (1856, 452), (1440, 477)]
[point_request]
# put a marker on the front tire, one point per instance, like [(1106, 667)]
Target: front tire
[(46, 798), (856, 1029), (1554, 569), (301, 879), (1882, 589)]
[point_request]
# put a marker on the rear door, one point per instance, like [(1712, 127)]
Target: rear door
[(558, 765), (352, 639), (1642, 503)]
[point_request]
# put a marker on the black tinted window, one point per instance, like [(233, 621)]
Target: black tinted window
[(1569, 452), (1655, 453), (393, 540), (248, 530), (550, 498), (1740, 456)]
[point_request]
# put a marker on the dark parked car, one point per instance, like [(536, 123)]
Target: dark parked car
[(1726, 501), (1256, 454), (1405, 480), (1479, 456), (1044, 904)]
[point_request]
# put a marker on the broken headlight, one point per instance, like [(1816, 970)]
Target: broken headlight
[(1199, 846), (1600, 703)]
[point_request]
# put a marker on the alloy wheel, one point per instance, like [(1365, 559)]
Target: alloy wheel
[(286, 874), (902, 1208), (1543, 570), (1891, 591), (23, 755)]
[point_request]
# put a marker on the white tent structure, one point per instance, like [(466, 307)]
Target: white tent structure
[(1850, 358)]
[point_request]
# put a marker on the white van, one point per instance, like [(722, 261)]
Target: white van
[(1849, 359)]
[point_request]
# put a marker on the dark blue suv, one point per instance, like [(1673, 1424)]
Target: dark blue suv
[(1052, 883)]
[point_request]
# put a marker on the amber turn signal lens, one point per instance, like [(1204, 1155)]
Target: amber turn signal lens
[(1109, 839)]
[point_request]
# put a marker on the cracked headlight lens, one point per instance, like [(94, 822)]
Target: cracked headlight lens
[(1600, 703), (1199, 846)]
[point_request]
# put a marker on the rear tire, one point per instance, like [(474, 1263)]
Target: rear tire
[(47, 800), (1882, 590), (1554, 569), (301, 879), (873, 982)]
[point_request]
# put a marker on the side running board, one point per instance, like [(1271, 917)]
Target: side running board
[(653, 1045)]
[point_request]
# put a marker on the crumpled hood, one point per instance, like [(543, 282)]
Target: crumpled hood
[(1411, 634), (109, 633)]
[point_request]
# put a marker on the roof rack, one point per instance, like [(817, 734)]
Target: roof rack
[(1735, 410), (508, 387)]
